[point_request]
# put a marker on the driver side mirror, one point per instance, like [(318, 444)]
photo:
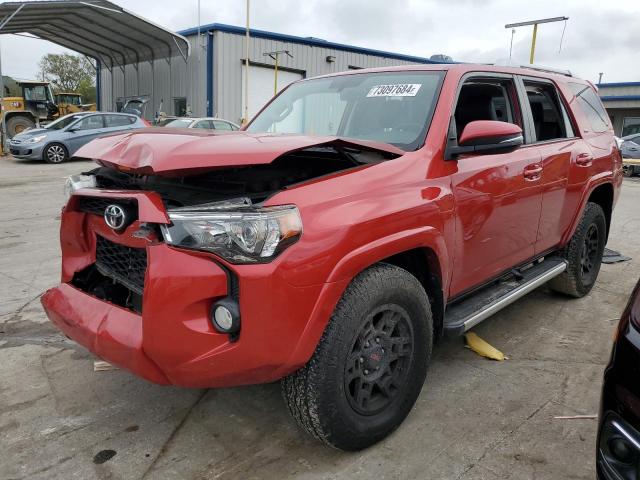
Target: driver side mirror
[(487, 136)]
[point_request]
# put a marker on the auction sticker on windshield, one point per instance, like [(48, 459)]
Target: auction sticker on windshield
[(397, 90)]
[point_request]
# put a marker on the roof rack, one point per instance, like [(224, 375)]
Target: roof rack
[(540, 68)]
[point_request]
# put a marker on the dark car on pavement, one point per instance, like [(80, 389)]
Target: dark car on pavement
[(619, 431)]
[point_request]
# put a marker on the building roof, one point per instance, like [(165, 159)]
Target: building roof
[(311, 41), (618, 84), (618, 98), (96, 28)]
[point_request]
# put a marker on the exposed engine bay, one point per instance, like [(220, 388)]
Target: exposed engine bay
[(257, 182)]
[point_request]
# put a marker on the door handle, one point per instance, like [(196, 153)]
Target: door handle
[(584, 160), (533, 172)]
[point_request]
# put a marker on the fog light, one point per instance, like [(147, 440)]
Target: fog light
[(223, 318), (226, 316)]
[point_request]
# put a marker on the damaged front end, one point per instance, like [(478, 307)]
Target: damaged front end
[(161, 258), (217, 209)]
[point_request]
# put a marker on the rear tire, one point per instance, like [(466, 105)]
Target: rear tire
[(370, 364), (583, 253), (18, 124), (55, 153)]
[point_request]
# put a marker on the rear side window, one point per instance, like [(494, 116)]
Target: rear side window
[(550, 121), (203, 124), (118, 120), (219, 125), (591, 106), (91, 122)]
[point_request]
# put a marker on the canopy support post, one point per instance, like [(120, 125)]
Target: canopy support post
[(2, 129)]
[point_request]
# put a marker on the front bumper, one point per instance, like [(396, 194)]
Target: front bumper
[(26, 151), (111, 332), (173, 341)]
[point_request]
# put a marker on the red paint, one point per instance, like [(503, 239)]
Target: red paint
[(171, 151), (488, 129), (478, 215)]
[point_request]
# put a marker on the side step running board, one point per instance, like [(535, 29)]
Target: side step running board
[(470, 311)]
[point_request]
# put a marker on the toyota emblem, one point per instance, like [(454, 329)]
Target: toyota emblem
[(115, 217)]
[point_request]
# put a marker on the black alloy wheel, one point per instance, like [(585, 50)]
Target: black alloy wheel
[(379, 361)]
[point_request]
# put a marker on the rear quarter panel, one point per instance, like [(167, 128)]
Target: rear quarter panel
[(606, 167)]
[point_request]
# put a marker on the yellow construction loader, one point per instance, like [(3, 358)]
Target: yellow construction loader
[(69, 102), (34, 106)]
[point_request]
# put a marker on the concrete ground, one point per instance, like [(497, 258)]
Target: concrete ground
[(475, 419)]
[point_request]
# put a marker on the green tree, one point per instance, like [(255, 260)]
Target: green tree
[(88, 90), (67, 72)]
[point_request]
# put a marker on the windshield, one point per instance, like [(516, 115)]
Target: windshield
[(180, 123), (70, 99), (388, 107), (63, 122), (38, 93)]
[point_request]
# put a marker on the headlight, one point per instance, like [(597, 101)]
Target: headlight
[(76, 182), (37, 139), (242, 235)]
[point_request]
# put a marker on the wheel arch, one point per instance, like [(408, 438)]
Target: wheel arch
[(603, 195), (23, 113), (400, 248), (600, 191), (423, 264)]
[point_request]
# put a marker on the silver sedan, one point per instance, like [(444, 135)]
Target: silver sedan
[(59, 140)]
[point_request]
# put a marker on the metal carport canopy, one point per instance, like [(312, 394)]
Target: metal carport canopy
[(96, 28)]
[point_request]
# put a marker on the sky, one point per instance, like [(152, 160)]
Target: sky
[(600, 36)]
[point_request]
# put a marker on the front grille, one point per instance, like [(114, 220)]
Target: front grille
[(97, 205), (125, 265)]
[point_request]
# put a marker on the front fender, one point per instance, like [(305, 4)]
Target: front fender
[(359, 259), (344, 272)]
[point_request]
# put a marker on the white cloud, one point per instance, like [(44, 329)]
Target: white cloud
[(599, 37)]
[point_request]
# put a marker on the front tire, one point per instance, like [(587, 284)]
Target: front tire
[(583, 254), (370, 364), (55, 153), (18, 124)]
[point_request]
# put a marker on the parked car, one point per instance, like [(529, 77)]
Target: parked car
[(207, 123), (357, 219), (59, 140), (618, 451), (631, 154)]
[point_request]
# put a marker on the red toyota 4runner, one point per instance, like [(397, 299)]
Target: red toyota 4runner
[(357, 219)]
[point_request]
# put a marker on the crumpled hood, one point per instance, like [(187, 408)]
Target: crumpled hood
[(172, 151)]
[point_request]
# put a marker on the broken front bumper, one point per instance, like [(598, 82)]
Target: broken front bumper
[(172, 340)]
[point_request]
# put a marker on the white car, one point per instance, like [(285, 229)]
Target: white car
[(207, 123)]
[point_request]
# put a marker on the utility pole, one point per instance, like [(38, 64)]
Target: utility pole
[(199, 39), (535, 24), (275, 55), (245, 118), (513, 32)]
